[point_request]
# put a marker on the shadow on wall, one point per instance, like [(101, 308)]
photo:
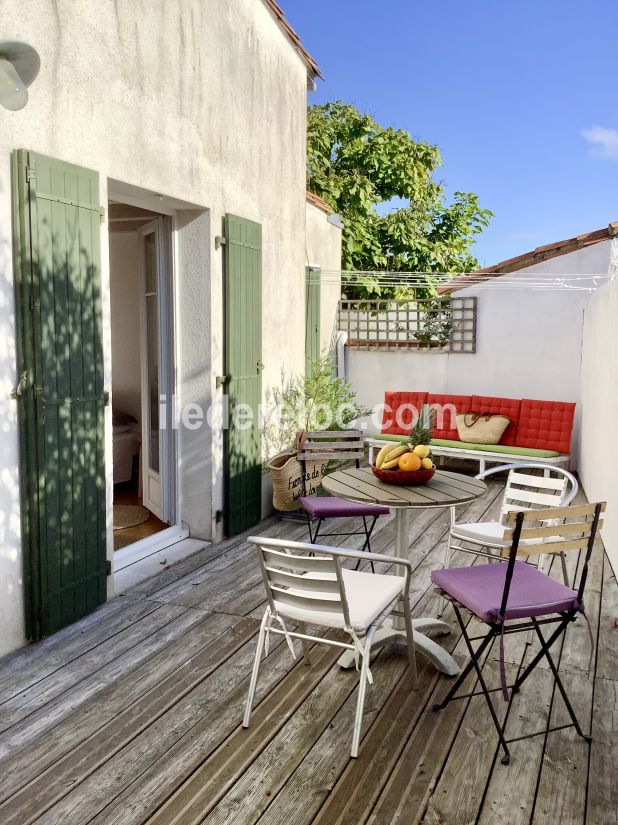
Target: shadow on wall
[(62, 422)]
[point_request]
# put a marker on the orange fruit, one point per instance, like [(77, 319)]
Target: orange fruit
[(410, 461)]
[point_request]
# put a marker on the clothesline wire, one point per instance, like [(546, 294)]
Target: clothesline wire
[(415, 280)]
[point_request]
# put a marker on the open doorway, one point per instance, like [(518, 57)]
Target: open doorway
[(142, 338)]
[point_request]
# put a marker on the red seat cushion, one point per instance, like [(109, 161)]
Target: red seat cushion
[(400, 408), (546, 425), (447, 407), (500, 406)]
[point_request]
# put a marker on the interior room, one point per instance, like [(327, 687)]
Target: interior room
[(133, 307)]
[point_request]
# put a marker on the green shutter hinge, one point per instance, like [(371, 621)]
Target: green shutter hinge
[(101, 214), (38, 392), (33, 304), (30, 173), (106, 399), (222, 380), (108, 568), (219, 241)]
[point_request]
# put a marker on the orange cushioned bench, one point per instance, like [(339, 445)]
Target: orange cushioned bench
[(539, 430)]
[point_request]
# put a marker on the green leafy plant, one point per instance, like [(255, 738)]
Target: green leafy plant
[(319, 401), (356, 165)]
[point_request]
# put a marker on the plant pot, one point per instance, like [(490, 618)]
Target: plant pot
[(289, 482)]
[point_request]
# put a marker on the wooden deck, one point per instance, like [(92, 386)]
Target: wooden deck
[(132, 715)]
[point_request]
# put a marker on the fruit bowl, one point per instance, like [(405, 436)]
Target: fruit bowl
[(403, 477)]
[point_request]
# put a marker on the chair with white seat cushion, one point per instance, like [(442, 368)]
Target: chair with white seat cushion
[(307, 584), (524, 491)]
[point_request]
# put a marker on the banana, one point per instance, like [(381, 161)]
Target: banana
[(382, 455), (388, 454), (390, 465), (395, 452)]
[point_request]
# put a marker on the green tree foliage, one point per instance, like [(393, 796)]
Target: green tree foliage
[(355, 164)]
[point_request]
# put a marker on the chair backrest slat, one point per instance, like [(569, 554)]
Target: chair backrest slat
[(302, 582), (556, 537), (578, 511), (335, 434), (550, 547), (333, 445), (525, 491), (343, 445), (297, 564), (559, 524), (548, 531), (514, 494), (331, 455), (547, 482), (305, 602)]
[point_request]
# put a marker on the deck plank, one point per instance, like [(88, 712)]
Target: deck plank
[(41, 720), (36, 797), (152, 735), (50, 747), (602, 803), (565, 753)]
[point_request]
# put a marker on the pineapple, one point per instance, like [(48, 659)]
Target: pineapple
[(420, 434)]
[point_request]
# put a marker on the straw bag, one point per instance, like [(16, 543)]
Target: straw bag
[(481, 428), (289, 480)]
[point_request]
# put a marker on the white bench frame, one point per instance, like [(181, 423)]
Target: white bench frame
[(376, 443)]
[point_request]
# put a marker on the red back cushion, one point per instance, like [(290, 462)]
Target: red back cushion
[(500, 406), (446, 422), (546, 425), (400, 408)]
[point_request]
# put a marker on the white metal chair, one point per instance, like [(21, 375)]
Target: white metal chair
[(524, 491), (316, 589)]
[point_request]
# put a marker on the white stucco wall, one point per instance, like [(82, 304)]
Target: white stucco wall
[(196, 100), (529, 345), (324, 250), (598, 457)]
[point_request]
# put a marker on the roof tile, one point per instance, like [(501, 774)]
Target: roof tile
[(540, 253)]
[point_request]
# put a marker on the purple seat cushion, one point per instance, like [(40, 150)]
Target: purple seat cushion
[(333, 507), (480, 589)]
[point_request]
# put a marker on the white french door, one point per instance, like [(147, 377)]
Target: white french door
[(157, 371)]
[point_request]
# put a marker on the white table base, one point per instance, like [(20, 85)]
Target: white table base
[(439, 658), (394, 628)]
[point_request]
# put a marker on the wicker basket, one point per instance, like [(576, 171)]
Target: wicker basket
[(288, 482)]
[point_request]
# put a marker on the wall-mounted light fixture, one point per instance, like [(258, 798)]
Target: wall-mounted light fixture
[(19, 65)]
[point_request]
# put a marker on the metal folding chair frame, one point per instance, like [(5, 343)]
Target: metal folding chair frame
[(368, 530), (498, 628)]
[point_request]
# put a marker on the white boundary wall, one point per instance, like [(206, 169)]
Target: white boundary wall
[(598, 460), (529, 345)]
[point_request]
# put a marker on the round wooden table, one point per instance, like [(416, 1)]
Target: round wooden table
[(443, 490)]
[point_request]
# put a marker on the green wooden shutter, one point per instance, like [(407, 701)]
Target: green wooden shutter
[(312, 321), (61, 406), (243, 367)]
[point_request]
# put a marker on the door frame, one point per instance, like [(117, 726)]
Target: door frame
[(176, 532)]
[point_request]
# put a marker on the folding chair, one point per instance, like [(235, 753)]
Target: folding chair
[(337, 446), (513, 590), (524, 491), (316, 589)]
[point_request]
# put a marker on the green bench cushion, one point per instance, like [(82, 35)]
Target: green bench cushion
[(530, 452)]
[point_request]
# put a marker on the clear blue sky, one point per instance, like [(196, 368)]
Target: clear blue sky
[(505, 88)]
